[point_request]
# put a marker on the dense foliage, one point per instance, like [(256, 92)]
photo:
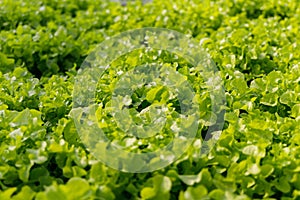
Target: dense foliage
[(255, 45)]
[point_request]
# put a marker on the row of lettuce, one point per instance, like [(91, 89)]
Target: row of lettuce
[(255, 44)]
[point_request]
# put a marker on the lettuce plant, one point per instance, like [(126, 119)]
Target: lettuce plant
[(254, 44)]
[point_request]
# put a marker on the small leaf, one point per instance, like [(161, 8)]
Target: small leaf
[(6, 194), (26, 193), (266, 170), (283, 185), (76, 188), (190, 179), (269, 99), (295, 111), (195, 193), (148, 193)]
